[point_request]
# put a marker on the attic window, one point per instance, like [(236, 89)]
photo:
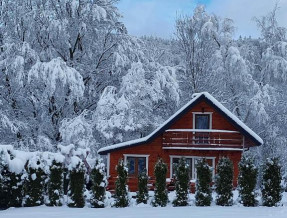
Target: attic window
[(202, 121)]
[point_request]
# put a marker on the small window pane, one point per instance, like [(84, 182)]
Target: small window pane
[(201, 121), (131, 165), (141, 164)]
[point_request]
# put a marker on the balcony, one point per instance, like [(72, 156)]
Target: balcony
[(203, 139)]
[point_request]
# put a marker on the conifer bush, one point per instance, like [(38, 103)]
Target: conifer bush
[(160, 192), (99, 183), (4, 182), (16, 189), (247, 182), (181, 184), (66, 179), (55, 185), (121, 194), (76, 184), (271, 187), (223, 182), (142, 194), (203, 194), (34, 183)]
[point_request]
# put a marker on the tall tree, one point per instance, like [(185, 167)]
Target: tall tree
[(224, 182), (160, 193), (247, 181), (99, 183), (121, 195), (203, 195), (271, 186), (181, 183)]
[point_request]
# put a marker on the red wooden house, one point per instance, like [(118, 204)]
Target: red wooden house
[(203, 128)]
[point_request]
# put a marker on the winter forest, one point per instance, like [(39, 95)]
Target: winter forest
[(72, 74)]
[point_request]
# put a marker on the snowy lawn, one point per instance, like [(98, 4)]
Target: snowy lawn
[(146, 211)]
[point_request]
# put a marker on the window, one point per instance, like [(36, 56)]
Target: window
[(191, 161), (136, 164), (202, 121)]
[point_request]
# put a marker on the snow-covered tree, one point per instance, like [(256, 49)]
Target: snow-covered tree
[(76, 183), (16, 189), (203, 194), (78, 131), (121, 192), (134, 107), (34, 182), (55, 185), (181, 183), (4, 181), (142, 193), (271, 186), (99, 183), (224, 182), (160, 192), (247, 181)]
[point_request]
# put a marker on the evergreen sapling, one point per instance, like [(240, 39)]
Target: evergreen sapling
[(160, 192), (16, 189), (181, 183), (247, 182), (203, 194), (4, 182), (99, 183), (121, 195), (224, 182), (55, 185), (142, 194), (271, 187), (76, 184), (34, 183)]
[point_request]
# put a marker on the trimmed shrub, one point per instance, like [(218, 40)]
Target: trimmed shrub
[(160, 192), (4, 182), (181, 184), (55, 185), (34, 183), (142, 194), (99, 183), (16, 190), (271, 187), (203, 195), (121, 195), (247, 182), (76, 184), (223, 182)]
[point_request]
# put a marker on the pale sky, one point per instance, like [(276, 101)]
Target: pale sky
[(157, 17)]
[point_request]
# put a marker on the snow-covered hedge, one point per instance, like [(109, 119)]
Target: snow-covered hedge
[(36, 178)]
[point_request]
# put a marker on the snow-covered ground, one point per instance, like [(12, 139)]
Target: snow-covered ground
[(146, 211)]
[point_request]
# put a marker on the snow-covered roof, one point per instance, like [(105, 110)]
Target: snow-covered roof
[(195, 97)]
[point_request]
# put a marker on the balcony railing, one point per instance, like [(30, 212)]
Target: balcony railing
[(202, 138)]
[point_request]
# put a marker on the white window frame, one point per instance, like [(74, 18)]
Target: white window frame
[(210, 118), (194, 176), (137, 155)]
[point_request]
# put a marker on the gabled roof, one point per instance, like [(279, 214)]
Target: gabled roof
[(245, 130)]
